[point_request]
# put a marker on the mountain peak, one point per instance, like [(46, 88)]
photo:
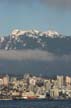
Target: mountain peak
[(34, 32), (52, 34), (17, 32), (33, 39)]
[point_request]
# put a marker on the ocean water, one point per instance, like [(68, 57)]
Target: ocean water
[(35, 104)]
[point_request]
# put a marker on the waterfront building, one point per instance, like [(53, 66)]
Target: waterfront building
[(15, 93), (55, 83), (68, 81), (54, 92), (6, 80), (32, 81), (60, 81), (1, 81), (47, 84)]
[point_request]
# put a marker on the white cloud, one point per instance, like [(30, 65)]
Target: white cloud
[(32, 55)]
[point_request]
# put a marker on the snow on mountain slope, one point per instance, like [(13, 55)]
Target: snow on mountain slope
[(51, 41)]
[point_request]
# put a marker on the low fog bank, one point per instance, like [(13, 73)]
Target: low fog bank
[(35, 62), (33, 55)]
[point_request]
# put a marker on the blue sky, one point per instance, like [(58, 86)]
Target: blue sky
[(33, 15)]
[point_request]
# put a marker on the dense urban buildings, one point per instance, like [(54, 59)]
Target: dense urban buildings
[(34, 87)]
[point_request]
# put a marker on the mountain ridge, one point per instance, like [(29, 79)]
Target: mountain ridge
[(51, 41)]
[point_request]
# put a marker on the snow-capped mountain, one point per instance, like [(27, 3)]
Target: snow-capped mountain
[(30, 33), (34, 33), (51, 41)]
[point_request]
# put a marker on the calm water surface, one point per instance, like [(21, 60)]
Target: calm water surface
[(35, 104)]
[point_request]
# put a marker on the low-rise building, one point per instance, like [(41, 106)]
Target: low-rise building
[(54, 92)]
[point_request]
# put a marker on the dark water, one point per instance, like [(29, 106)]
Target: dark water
[(35, 104)]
